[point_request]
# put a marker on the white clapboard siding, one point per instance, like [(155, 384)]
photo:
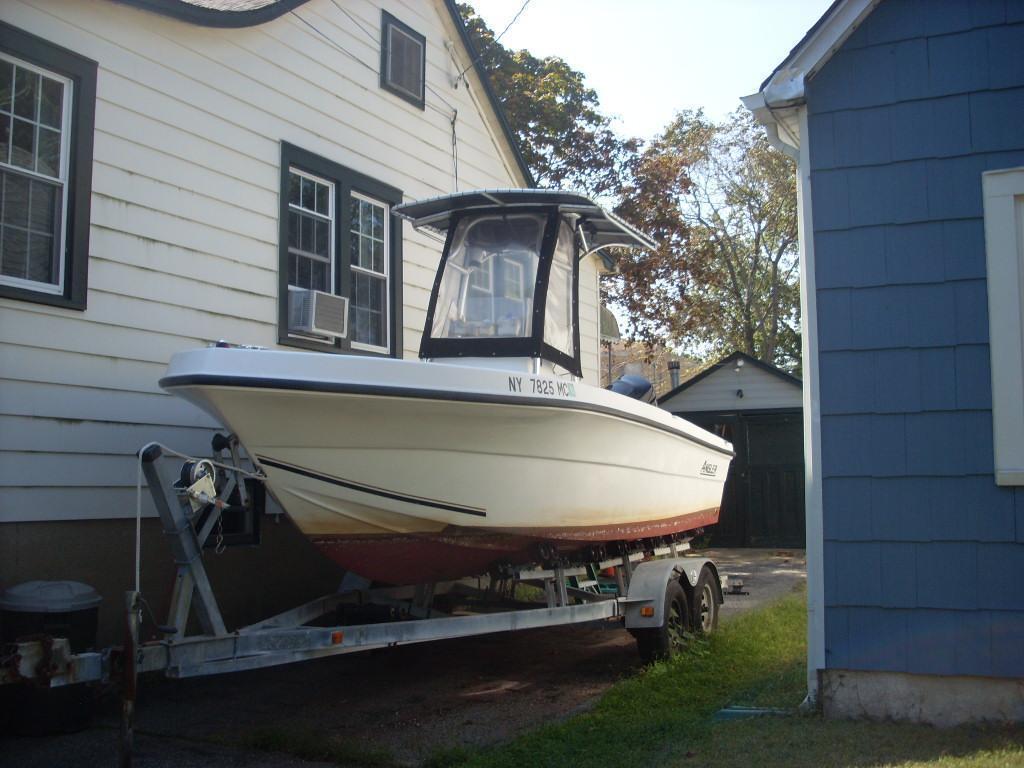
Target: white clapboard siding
[(717, 392), (151, 256), (184, 138), (178, 290), (49, 502), (47, 329), (33, 434), (47, 366), (152, 225), (130, 156), (60, 401), (232, 215), (184, 219), (67, 470)]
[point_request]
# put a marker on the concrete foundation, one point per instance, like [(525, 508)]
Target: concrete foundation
[(250, 582), (933, 699)]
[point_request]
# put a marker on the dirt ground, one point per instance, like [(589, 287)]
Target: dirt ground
[(410, 700)]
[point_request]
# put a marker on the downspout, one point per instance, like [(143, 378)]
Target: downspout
[(813, 496), (797, 146), (772, 129)]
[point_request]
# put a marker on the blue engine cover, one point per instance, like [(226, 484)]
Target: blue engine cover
[(633, 386)]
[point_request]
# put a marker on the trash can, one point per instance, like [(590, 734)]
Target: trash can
[(59, 609)]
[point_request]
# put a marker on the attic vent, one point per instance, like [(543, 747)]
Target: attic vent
[(403, 60), (319, 313)]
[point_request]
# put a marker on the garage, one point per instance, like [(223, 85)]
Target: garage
[(757, 407)]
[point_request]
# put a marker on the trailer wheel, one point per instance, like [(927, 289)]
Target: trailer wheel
[(705, 603), (665, 641)]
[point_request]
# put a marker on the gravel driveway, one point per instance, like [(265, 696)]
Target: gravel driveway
[(409, 700)]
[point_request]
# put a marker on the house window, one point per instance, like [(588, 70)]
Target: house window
[(310, 232), (338, 236), (481, 276), (47, 102), (368, 300), (402, 60), (1003, 195), (513, 275)]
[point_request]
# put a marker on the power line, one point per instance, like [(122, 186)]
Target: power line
[(370, 67), (452, 117), (356, 22), (327, 37)]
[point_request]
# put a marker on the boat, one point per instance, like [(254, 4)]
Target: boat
[(487, 452)]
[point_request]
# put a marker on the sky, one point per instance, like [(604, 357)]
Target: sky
[(648, 59)]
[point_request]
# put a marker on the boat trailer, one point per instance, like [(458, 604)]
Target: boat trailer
[(644, 598)]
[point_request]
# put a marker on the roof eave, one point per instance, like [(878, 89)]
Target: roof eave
[(216, 17), (783, 93)]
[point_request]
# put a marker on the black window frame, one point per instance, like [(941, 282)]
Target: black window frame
[(345, 181), (533, 345), (386, 21), (76, 217)]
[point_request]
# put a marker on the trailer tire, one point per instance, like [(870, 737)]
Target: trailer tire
[(705, 603), (663, 642)]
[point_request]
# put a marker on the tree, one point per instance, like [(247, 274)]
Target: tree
[(565, 139), (722, 204)]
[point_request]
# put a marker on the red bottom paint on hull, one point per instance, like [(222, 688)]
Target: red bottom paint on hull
[(459, 552)]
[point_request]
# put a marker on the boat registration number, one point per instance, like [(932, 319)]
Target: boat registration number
[(534, 386)]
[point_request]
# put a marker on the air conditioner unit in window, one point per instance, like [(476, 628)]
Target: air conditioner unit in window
[(318, 313)]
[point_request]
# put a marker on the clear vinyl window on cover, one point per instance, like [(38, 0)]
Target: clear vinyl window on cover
[(487, 287), (558, 325)]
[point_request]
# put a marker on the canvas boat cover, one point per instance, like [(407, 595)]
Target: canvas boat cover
[(603, 227)]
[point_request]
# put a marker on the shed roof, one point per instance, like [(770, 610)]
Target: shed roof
[(250, 13), (724, 363)]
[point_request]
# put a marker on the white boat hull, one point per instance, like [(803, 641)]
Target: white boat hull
[(415, 479)]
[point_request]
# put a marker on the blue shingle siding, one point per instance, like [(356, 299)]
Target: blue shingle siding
[(1004, 47), (1007, 640), (878, 639), (963, 244), (924, 554), (930, 128), (1019, 499)]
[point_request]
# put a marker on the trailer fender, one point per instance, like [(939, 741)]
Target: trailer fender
[(649, 582)]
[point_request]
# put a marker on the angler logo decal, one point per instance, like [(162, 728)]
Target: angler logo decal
[(708, 469)]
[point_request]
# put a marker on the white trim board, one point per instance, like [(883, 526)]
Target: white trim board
[(813, 496), (1003, 197)]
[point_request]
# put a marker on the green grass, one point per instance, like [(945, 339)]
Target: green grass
[(660, 714), (812, 742), (664, 716)]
